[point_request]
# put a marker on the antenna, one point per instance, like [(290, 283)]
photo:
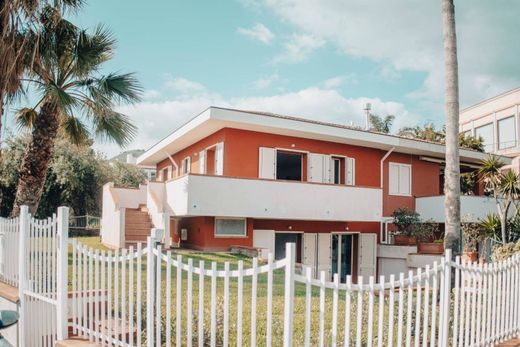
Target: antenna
[(367, 109)]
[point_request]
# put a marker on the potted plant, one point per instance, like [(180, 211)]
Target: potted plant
[(429, 243), (472, 234), (406, 221)]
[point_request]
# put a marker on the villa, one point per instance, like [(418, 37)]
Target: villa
[(234, 178)]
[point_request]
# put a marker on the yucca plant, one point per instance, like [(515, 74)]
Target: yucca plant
[(76, 101), (504, 186)]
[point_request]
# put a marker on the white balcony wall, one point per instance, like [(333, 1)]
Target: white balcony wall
[(472, 207), (197, 195)]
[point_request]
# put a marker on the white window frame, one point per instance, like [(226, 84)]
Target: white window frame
[(389, 179), (244, 235)]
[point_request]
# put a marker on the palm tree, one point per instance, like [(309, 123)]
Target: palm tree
[(18, 20), (427, 133), (504, 187), (452, 170), (75, 100), (380, 124)]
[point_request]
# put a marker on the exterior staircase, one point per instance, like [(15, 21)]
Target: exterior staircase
[(137, 226)]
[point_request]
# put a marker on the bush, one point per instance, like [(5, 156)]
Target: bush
[(505, 251), (406, 221)]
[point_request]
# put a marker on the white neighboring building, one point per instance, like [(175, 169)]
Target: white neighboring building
[(496, 120)]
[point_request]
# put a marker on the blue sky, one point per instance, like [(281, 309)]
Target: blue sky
[(320, 59)]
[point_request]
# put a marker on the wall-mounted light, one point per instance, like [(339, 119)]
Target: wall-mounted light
[(293, 145), (290, 227)]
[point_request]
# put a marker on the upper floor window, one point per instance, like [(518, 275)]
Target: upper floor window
[(506, 133), (186, 166), (289, 166), (400, 178), (486, 132)]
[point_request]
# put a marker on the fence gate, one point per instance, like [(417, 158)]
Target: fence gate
[(42, 260)]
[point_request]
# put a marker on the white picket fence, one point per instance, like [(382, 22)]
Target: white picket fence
[(9, 238), (147, 297)]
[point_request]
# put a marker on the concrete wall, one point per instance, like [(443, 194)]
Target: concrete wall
[(197, 195), (393, 260)]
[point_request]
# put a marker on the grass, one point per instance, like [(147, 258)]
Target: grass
[(261, 304)]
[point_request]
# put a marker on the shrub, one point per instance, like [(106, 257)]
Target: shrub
[(406, 221)]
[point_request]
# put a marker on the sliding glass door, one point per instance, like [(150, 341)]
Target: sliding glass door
[(342, 245)]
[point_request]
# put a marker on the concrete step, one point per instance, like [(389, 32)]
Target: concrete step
[(138, 225)]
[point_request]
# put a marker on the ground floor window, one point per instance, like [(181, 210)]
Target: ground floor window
[(342, 255), (230, 227)]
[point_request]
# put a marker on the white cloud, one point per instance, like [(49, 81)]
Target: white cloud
[(406, 35), (258, 32), (184, 86), (338, 81), (298, 47), (155, 120), (151, 94), (266, 82)]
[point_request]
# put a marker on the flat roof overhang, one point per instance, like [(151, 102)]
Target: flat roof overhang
[(214, 119)]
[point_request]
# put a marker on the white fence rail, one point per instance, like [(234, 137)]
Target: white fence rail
[(147, 297)]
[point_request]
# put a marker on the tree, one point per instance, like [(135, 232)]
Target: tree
[(382, 125), (18, 19), (65, 74), (75, 177), (452, 171), (428, 132), (503, 186)]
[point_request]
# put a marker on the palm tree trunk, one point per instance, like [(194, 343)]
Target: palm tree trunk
[(452, 171), (36, 160)]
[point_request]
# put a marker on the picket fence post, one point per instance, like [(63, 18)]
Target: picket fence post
[(62, 275), (23, 233), (290, 258), (150, 290)]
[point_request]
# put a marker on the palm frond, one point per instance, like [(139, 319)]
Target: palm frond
[(92, 50), (25, 117), (114, 127), (74, 130), (124, 87)]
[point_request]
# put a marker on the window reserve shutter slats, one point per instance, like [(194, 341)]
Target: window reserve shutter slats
[(267, 163), (367, 255), (399, 179), (202, 162), (169, 173), (315, 168), (393, 187), (404, 180), (219, 159), (188, 164), (350, 171)]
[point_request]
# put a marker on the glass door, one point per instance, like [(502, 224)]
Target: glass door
[(342, 255)]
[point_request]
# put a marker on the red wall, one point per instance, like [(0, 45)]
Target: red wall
[(425, 182), (241, 159), (201, 235)]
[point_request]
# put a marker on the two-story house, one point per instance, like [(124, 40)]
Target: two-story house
[(241, 178)]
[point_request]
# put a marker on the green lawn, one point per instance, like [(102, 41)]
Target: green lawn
[(278, 300)]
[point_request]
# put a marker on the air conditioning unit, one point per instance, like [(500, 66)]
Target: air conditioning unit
[(184, 234)]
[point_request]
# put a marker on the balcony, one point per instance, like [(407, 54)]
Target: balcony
[(474, 207), (199, 195)]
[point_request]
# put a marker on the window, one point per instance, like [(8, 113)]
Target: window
[(486, 133), (506, 133), (400, 179), (337, 170), (230, 227), (185, 166), (288, 166)]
